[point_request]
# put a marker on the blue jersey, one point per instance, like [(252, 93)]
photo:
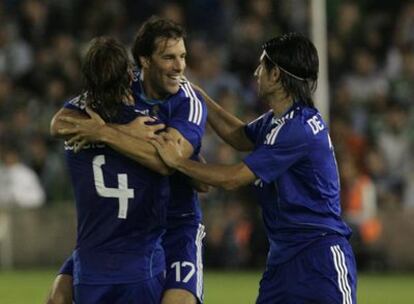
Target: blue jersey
[(121, 212), (186, 112), (298, 183)]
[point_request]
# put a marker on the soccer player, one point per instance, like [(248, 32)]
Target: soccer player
[(292, 165), (121, 205), (159, 92)]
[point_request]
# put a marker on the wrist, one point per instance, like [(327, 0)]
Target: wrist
[(180, 164), (104, 133)]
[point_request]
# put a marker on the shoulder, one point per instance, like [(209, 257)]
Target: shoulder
[(293, 128), (264, 118), (187, 92), (191, 102)]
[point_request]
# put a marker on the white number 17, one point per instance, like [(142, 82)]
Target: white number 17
[(122, 193), (178, 266)]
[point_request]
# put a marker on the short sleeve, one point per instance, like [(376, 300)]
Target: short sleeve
[(67, 267), (189, 117), (278, 153)]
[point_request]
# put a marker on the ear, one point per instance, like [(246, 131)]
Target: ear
[(144, 61), (275, 74)]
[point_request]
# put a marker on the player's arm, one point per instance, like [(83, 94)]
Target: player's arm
[(62, 290), (198, 185), (225, 124), (141, 150), (57, 124), (225, 176), (93, 129)]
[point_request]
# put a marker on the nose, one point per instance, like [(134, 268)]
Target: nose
[(179, 64), (257, 72)]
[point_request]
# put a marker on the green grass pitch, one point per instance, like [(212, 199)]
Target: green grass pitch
[(31, 287)]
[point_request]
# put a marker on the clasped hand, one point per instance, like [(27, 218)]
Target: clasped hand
[(83, 131), (169, 149)]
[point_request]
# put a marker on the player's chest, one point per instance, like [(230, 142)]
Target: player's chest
[(161, 112)]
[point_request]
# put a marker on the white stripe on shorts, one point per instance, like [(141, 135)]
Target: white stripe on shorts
[(342, 270), (199, 244)]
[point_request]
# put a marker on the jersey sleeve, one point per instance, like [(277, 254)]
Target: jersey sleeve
[(252, 128), (284, 145), (189, 117), (67, 267)]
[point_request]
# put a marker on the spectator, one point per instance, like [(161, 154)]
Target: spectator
[(20, 185)]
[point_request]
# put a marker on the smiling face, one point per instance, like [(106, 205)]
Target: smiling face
[(164, 68)]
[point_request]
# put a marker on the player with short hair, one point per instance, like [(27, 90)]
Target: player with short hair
[(293, 167), (160, 92), (121, 205)]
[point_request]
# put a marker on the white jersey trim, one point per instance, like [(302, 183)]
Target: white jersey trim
[(280, 122), (79, 101), (196, 109), (271, 137)]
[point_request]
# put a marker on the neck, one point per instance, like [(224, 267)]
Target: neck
[(280, 103), (149, 89)]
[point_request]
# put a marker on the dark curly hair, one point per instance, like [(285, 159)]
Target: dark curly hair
[(105, 70)]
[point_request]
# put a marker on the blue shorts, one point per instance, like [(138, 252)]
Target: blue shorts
[(183, 246), (145, 292), (323, 273)]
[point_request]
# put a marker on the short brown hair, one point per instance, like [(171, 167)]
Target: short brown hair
[(155, 27)]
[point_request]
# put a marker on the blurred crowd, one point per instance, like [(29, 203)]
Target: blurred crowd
[(371, 82)]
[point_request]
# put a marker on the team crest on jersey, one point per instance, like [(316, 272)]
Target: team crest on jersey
[(155, 109)]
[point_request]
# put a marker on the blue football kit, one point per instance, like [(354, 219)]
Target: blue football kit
[(298, 188), (182, 243), (186, 112), (121, 214)]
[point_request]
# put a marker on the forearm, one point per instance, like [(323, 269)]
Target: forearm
[(199, 186), (223, 176), (134, 148), (227, 126)]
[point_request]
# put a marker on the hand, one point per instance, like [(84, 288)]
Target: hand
[(143, 127), (170, 150), (83, 130)]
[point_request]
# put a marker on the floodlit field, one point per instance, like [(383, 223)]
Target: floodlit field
[(31, 287)]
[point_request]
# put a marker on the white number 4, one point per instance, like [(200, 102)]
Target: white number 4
[(178, 266), (122, 193)]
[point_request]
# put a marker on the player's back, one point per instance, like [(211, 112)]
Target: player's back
[(121, 208)]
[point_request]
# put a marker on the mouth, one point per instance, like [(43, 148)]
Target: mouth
[(174, 78)]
